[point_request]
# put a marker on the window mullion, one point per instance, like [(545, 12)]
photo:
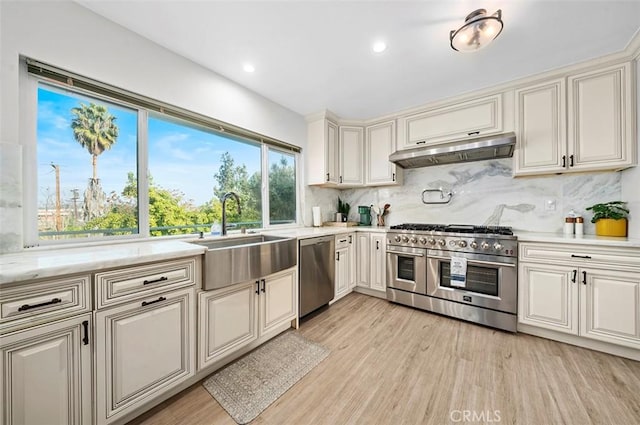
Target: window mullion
[(143, 175), (265, 186)]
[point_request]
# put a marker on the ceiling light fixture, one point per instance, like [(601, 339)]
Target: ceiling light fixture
[(479, 29), (248, 67), (379, 46)]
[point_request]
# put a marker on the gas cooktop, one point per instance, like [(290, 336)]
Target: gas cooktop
[(455, 228)]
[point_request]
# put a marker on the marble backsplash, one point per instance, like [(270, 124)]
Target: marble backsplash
[(485, 192), (10, 198)]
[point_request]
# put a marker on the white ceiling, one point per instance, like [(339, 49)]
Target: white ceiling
[(315, 55)]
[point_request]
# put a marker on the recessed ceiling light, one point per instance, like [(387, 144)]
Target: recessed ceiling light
[(379, 46), (248, 67)]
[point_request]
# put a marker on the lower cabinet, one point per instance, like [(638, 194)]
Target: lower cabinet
[(233, 317), (143, 348), (371, 261), (46, 374), (345, 265), (599, 304)]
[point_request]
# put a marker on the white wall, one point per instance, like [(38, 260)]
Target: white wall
[(69, 36)]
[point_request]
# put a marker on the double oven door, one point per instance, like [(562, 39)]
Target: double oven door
[(407, 269), (491, 280)]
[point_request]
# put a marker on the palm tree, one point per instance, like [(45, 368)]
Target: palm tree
[(95, 129)]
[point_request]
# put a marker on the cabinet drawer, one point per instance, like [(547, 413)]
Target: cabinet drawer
[(116, 286), (343, 241), (28, 304), (581, 255)]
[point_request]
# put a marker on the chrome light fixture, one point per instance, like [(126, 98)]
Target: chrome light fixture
[(479, 29)]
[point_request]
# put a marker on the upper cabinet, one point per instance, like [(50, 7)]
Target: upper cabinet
[(587, 126), (472, 118), (380, 142), (351, 156), (340, 156)]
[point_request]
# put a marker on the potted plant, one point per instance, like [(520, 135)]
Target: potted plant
[(344, 208), (610, 218)]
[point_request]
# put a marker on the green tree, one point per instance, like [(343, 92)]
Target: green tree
[(235, 178), (282, 191), (95, 129)]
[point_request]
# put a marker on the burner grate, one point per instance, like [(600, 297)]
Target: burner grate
[(455, 228)]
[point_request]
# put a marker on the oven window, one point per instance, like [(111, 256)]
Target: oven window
[(406, 268), (483, 280)]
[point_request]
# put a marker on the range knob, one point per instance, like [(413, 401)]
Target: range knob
[(423, 241), (497, 246), (413, 239), (473, 244), (405, 239), (432, 241), (462, 244), (441, 242), (484, 245), (397, 238)]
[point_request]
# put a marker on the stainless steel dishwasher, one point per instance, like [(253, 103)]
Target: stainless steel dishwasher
[(316, 273)]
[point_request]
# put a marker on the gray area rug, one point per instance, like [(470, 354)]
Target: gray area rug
[(250, 384)]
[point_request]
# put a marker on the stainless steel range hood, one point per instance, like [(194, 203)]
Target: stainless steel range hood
[(467, 150)]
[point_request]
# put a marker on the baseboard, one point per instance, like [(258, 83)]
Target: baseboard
[(370, 292), (616, 350)]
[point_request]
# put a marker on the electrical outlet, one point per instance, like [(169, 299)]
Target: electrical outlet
[(550, 205)]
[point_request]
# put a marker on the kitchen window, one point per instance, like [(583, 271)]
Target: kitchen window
[(105, 163)]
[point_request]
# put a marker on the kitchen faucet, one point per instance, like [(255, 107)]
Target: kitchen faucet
[(224, 209)]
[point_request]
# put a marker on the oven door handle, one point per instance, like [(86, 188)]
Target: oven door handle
[(409, 254), (471, 262)]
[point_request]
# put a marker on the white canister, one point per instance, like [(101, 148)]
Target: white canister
[(579, 226), (317, 217), (569, 223)]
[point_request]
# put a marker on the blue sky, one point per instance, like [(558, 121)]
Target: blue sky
[(180, 157)]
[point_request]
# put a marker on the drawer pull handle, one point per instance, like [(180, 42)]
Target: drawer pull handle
[(575, 273), (473, 133), (85, 327), (421, 142), (588, 257), (25, 307), (342, 240), (162, 279), (146, 303)]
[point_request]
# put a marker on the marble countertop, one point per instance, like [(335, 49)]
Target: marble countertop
[(311, 232), (579, 240), (57, 261)]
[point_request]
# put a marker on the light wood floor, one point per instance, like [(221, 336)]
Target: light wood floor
[(391, 364)]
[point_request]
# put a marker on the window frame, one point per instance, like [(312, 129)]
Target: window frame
[(28, 120)]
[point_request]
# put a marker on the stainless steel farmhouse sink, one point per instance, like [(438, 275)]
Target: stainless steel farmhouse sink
[(234, 260)]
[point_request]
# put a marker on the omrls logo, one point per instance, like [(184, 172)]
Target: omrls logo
[(484, 416)]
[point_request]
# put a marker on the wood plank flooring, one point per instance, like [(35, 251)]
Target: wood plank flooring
[(391, 364)]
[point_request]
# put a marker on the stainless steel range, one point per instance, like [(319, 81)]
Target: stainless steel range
[(468, 272)]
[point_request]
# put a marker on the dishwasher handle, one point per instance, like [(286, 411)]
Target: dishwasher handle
[(316, 241)]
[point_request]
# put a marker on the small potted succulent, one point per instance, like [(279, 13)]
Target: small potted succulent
[(610, 218)]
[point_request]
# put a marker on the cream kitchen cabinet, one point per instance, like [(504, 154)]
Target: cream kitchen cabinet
[(573, 290), (231, 318), (322, 160), (46, 374), (345, 263), (541, 129), (380, 142), (143, 348), (351, 156), (472, 118), (371, 261), (597, 133)]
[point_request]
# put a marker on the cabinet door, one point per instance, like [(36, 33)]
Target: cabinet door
[(143, 348), (278, 300), (46, 374), (548, 297), (610, 306), (352, 260), (378, 262), (227, 321), (473, 118), (351, 156), (541, 129), (332, 160), (342, 271), (600, 119), (380, 143), (363, 250)]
